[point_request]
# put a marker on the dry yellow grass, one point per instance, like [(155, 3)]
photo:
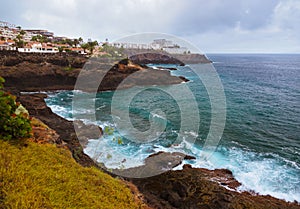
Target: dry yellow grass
[(44, 176)]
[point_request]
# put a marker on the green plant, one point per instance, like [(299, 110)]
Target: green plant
[(108, 130), (68, 68), (14, 118)]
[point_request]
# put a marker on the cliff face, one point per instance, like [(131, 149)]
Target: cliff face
[(192, 58), (33, 72), (141, 56), (155, 58)]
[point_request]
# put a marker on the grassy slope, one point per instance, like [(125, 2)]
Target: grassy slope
[(44, 176)]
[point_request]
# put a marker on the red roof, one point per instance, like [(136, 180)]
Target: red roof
[(77, 49), (62, 45), (7, 42), (10, 41)]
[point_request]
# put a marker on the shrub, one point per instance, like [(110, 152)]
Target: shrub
[(14, 118)]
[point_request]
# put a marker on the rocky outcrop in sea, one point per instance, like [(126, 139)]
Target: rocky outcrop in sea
[(33, 72)]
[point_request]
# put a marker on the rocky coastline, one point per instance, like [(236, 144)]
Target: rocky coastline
[(33, 72), (146, 56), (187, 188)]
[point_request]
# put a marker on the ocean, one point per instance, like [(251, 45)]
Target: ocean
[(261, 140)]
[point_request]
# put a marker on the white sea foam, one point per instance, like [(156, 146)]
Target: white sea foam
[(266, 176), (33, 92), (101, 107), (265, 173), (154, 115), (61, 111), (114, 155)]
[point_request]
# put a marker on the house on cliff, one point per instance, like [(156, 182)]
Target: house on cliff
[(7, 45), (79, 50), (36, 47)]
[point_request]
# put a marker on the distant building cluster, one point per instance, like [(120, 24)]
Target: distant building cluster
[(26, 40), (157, 44), (13, 37)]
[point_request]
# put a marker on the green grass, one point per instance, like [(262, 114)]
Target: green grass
[(44, 176), (68, 68)]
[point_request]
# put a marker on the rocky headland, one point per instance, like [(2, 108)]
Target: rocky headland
[(146, 56), (34, 72), (187, 188)]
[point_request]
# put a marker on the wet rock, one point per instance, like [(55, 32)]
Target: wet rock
[(154, 164), (197, 188), (85, 132), (184, 79)]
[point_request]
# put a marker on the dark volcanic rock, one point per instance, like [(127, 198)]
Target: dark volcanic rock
[(58, 60), (158, 57), (154, 58), (11, 61), (85, 132), (77, 62), (155, 164), (37, 77), (198, 188), (192, 58), (53, 72)]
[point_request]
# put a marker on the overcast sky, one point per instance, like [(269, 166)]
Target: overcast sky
[(214, 26)]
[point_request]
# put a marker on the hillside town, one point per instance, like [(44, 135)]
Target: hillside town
[(39, 41), (16, 38)]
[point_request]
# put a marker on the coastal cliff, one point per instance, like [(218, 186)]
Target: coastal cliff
[(33, 72), (187, 188), (143, 56)]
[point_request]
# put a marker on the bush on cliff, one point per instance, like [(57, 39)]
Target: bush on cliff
[(14, 118), (44, 176)]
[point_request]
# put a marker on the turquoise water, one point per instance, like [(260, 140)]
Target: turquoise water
[(261, 140)]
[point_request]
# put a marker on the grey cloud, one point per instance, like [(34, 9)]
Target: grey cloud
[(9, 11), (200, 16), (256, 14), (232, 24)]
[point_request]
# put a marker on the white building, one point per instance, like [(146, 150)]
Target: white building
[(163, 43), (157, 44), (39, 48), (130, 45), (176, 50)]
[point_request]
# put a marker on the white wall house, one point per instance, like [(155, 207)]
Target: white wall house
[(39, 48)]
